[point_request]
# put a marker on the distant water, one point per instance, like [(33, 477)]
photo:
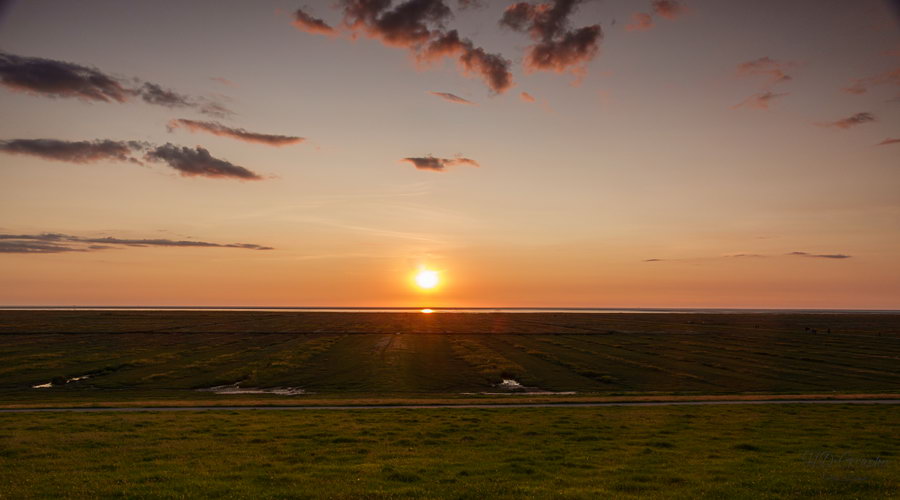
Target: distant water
[(580, 310)]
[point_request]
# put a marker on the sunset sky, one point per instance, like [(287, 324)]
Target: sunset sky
[(610, 153)]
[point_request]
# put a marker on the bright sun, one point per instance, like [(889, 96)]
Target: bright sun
[(427, 279)]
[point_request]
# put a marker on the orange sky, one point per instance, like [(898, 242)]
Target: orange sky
[(728, 154)]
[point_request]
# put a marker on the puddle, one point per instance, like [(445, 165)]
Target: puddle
[(67, 381), (236, 389), (513, 387)]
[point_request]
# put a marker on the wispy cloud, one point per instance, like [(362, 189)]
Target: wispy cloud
[(51, 78), (850, 121), (187, 161), (669, 9), (310, 24), (862, 85), (744, 255), (234, 133), (447, 96), (888, 141), (761, 100), (557, 47), (439, 164), (61, 243), (820, 255), (774, 71), (525, 96), (640, 21)]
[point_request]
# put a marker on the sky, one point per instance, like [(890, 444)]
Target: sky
[(606, 153)]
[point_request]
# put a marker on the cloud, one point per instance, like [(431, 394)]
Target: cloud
[(558, 48), (189, 162), (640, 21), (417, 26), (525, 96), (820, 255), (439, 164), (759, 101), (862, 85), (888, 141), (305, 22), (850, 121), (452, 97), (74, 151), (51, 78), (197, 161), (235, 133), (223, 81), (493, 68), (59, 243), (776, 71), (669, 9)]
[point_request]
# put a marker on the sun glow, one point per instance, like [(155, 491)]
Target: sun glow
[(427, 310), (427, 279)]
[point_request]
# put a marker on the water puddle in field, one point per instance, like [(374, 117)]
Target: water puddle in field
[(512, 387), (236, 389), (60, 382)]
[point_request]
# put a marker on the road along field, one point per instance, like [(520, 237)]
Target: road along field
[(81, 356), (785, 451)]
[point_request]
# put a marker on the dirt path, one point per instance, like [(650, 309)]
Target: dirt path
[(443, 406)]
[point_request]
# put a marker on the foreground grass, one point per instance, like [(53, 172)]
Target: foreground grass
[(841, 451)]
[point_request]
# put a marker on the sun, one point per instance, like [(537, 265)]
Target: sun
[(427, 279)]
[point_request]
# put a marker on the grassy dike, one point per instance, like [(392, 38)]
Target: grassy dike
[(828, 451)]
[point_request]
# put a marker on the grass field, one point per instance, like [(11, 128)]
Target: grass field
[(791, 451), (168, 355)]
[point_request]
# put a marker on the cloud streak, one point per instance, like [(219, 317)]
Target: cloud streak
[(235, 133), (850, 121), (62, 243), (669, 9), (557, 47), (59, 79), (888, 141), (189, 162), (862, 85), (452, 98), (820, 255), (832, 256), (761, 100), (438, 164), (640, 21), (775, 71)]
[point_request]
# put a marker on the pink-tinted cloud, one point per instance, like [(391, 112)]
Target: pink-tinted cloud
[(525, 96), (439, 164), (557, 48), (640, 21), (888, 141), (850, 121), (862, 85), (447, 96), (761, 100), (234, 133), (669, 9), (775, 71), (303, 21), (223, 81), (417, 26)]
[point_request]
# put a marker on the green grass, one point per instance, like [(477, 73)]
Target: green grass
[(166, 355), (840, 451)]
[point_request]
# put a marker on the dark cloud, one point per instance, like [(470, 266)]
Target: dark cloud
[(888, 141), (850, 121), (418, 26), (558, 48), (862, 85), (761, 100), (35, 75), (74, 151), (493, 68), (51, 78), (59, 243), (669, 9), (188, 161), (640, 21), (306, 22), (439, 164), (191, 162), (820, 255), (452, 97), (235, 133), (776, 71)]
